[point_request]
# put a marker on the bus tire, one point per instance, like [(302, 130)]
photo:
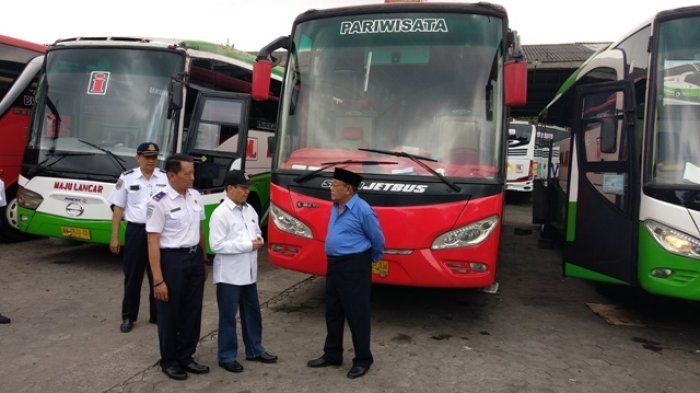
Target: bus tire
[(9, 220)]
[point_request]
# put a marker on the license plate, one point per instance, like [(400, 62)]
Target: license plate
[(381, 268), (75, 233)]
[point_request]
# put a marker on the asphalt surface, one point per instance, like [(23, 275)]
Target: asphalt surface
[(535, 335)]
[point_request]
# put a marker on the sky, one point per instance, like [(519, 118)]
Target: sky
[(251, 24)]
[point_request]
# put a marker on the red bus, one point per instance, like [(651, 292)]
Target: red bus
[(19, 63), (413, 96)]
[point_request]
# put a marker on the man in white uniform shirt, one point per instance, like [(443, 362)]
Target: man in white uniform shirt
[(129, 200), (235, 237), (3, 203), (176, 256)]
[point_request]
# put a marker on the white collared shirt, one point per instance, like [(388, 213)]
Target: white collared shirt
[(176, 217), (232, 229), (3, 198), (133, 191)]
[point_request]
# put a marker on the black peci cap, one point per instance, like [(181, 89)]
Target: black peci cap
[(237, 178), (346, 176), (148, 149)]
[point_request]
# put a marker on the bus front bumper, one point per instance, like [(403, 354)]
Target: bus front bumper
[(419, 268), (42, 224)]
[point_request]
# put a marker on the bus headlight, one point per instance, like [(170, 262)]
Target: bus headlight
[(674, 241), (466, 236), (286, 223), (28, 199)]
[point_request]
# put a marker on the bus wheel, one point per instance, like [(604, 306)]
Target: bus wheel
[(9, 223), (677, 93)]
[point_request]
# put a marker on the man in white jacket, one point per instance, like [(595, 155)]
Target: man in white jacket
[(235, 237)]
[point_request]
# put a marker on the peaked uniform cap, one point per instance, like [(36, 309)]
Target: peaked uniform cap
[(148, 149)]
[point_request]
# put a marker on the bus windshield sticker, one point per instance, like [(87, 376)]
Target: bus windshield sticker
[(691, 173), (99, 81), (396, 25)]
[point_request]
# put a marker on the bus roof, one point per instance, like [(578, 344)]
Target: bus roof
[(466, 8), (194, 47), (16, 42)]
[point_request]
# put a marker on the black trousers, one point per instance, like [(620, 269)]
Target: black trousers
[(179, 319), (135, 263), (348, 289)]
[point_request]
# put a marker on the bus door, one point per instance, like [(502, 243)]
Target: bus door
[(217, 137), (602, 246)]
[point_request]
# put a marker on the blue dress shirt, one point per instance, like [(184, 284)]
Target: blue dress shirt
[(354, 231)]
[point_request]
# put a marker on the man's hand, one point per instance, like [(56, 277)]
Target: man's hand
[(257, 243), (160, 292), (114, 246)]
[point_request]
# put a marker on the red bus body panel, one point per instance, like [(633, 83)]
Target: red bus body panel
[(405, 228), (14, 124)]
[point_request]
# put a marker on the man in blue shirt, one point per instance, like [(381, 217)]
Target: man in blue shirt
[(354, 241)]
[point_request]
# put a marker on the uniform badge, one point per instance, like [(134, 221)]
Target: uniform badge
[(120, 183), (159, 196), (149, 211)]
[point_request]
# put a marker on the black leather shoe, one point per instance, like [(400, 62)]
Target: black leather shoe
[(153, 320), (195, 368), (357, 371), (126, 326), (321, 362), (4, 319), (264, 358), (233, 367), (175, 372)]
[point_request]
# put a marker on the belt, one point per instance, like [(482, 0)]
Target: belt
[(138, 224), (338, 258), (181, 250)]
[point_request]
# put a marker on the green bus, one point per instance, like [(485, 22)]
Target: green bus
[(626, 198), (98, 98)]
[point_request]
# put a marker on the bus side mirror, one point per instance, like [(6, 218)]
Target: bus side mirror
[(515, 80), (262, 72), (270, 145), (608, 135), (174, 97)]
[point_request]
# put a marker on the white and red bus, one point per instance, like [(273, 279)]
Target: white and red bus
[(414, 97), (19, 63)]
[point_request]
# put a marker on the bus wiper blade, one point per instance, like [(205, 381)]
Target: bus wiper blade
[(115, 157), (61, 155), (326, 165), (418, 160)]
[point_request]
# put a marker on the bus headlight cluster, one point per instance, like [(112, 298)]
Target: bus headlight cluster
[(286, 223), (28, 199), (674, 241), (466, 236)]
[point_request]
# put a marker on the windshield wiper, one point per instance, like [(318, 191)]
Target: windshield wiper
[(61, 155), (418, 160), (326, 165), (115, 157)]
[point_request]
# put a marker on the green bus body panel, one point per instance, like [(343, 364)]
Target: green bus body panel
[(571, 270), (48, 225), (571, 222), (224, 50), (685, 280)]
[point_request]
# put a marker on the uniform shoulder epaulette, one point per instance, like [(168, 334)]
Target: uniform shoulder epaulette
[(128, 172), (159, 196)]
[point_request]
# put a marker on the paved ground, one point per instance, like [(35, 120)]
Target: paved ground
[(535, 335)]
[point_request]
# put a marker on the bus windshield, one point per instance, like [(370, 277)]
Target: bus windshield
[(109, 98), (424, 84), (676, 139)]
